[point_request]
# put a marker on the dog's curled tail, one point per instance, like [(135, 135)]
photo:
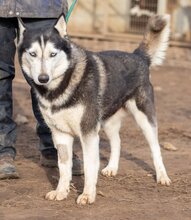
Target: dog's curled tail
[(156, 38)]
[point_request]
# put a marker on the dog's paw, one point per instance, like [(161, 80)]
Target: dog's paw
[(56, 195), (84, 199), (163, 179), (109, 171)]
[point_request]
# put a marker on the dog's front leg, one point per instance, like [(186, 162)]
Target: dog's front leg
[(63, 143), (90, 145)]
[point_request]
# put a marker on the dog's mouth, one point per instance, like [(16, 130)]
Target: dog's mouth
[(40, 83)]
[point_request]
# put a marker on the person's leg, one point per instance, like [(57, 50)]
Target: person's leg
[(7, 125)]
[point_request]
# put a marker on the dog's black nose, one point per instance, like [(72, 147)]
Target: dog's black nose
[(43, 78)]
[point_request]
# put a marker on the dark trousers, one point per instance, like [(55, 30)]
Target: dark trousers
[(8, 30)]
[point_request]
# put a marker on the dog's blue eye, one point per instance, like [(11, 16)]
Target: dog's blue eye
[(33, 54), (53, 54)]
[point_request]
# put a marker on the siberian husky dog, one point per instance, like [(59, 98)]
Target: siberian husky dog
[(79, 91)]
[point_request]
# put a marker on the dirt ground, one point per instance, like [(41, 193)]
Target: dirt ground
[(133, 194)]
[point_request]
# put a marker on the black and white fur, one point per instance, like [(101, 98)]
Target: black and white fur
[(79, 91)]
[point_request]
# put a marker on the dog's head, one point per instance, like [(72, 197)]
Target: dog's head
[(44, 55)]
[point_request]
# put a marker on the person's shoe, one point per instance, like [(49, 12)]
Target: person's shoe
[(48, 158), (7, 167), (77, 169)]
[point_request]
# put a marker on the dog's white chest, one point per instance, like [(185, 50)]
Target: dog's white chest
[(66, 120)]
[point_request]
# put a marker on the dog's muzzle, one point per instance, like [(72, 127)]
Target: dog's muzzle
[(43, 78)]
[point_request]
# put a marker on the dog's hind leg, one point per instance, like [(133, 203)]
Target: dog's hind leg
[(90, 146), (63, 142), (111, 128), (144, 115)]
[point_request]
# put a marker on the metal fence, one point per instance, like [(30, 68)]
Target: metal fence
[(139, 13)]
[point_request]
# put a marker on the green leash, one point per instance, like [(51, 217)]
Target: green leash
[(70, 10)]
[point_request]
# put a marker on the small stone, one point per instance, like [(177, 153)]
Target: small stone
[(73, 188), (21, 119), (100, 193), (55, 178), (158, 88), (168, 146)]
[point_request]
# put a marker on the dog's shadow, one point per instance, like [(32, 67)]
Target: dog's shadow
[(125, 155), (140, 163)]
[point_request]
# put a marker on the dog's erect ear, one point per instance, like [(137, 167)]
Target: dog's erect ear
[(60, 26), (21, 30)]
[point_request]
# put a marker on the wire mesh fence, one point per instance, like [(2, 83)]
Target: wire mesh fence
[(139, 14)]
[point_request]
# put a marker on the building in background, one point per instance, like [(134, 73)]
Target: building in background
[(118, 18)]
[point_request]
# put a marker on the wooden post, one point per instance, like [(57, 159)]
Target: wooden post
[(162, 7), (128, 20), (106, 17)]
